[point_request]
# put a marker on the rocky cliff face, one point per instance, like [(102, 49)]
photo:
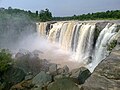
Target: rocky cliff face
[(86, 40), (106, 76)]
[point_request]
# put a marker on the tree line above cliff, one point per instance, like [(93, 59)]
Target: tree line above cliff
[(43, 15), (113, 14), (46, 15)]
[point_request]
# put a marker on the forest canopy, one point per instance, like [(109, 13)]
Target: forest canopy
[(113, 14), (46, 15), (42, 15)]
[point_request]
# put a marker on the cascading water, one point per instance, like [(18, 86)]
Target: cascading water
[(41, 28), (67, 37), (53, 34), (75, 37), (102, 43), (85, 42), (78, 38)]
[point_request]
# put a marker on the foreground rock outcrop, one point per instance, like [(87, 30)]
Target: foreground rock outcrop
[(105, 77), (41, 80), (79, 75), (30, 62), (12, 76), (63, 84)]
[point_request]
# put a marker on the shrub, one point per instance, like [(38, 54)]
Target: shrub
[(5, 60), (112, 45)]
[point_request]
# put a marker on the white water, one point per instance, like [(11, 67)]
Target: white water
[(41, 28), (78, 38), (85, 42), (102, 43)]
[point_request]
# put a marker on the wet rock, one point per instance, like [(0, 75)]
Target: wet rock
[(118, 44), (118, 41), (79, 75), (101, 25)]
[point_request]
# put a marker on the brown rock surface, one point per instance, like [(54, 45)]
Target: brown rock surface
[(106, 76)]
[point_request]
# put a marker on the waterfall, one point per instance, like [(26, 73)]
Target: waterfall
[(102, 43), (75, 37), (85, 42), (41, 28), (54, 32), (78, 38), (67, 37)]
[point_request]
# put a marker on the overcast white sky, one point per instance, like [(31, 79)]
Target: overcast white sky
[(63, 7)]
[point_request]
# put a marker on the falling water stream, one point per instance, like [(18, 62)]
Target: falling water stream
[(78, 38)]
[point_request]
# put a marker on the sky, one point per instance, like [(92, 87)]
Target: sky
[(63, 7)]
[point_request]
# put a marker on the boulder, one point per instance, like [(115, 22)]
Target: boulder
[(79, 75), (106, 75), (18, 55), (64, 70), (53, 69), (13, 76), (29, 62), (24, 85), (40, 80), (28, 77), (63, 84), (61, 76)]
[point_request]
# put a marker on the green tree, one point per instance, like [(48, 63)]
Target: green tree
[(9, 8), (45, 15), (5, 60), (36, 13)]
